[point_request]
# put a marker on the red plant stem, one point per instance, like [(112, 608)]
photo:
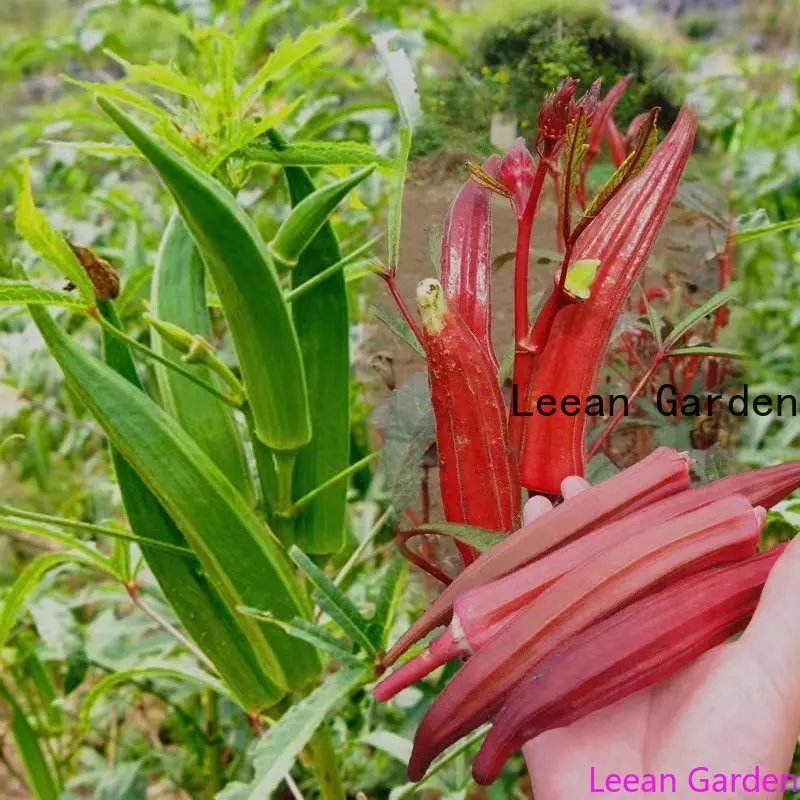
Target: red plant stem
[(597, 445), (390, 279), (401, 541), (632, 349), (523, 249)]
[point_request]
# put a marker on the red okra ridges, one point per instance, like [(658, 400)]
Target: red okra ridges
[(723, 531), (661, 474), (477, 469), (466, 258), (645, 642), (621, 237), (479, 613)]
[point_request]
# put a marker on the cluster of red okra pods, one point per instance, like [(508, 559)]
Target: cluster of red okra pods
[(624, 583)]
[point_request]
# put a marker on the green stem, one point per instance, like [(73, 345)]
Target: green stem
[(293, 294), (88, 527), (235, 402), (298, 506), (213, 754), (325, 765), (284, 464), (363, 545)]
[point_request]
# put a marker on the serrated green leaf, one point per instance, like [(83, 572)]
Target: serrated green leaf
[(391, 591), (276, 751), (176, 672), (744, 237), (308, 632), (698, 314), (26, 583), (162, 76), (100, 149), (118, 92), (315, 154), (652, 317), (14, 293), (33, 226), (479, 538), (397, 324), (286, 54), (335, 602), (709, 350)]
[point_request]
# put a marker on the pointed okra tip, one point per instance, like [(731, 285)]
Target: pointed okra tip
[(431, 304)]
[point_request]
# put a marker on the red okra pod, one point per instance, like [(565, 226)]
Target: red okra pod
[(762, 487), (466, 261), (477, 469), (479, 613), (662, 474), (516, 173), (621, 237), (647, 641), (720, 532)]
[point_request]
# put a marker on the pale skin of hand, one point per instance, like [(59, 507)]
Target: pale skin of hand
[(736, 707)]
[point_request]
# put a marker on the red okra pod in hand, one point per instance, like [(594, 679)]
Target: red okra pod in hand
[(477, 469), (647, 641), (662, 474), (720, 532)]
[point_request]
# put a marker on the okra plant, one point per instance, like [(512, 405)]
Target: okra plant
[(233, 464)]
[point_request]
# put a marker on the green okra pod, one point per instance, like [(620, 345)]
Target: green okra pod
[(248, 288), (179, 298)]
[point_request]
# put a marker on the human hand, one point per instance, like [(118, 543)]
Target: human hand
[(733, 712)]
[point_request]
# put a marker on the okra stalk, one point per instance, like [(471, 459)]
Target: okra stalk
[(724, 531), (646, 642), (662, 474)]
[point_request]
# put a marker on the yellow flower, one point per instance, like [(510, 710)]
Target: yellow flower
[(503, 76), (484, 70)]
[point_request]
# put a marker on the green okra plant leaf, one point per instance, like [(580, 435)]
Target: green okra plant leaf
[(40, 777), (248, 288), (322, 321), (276, 751), (13, 293), (309, 215), (315, 154), (201, 608), (246, 565), (166, 670), (27, 581), (179, 297), (336, 603), (32, 225)]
